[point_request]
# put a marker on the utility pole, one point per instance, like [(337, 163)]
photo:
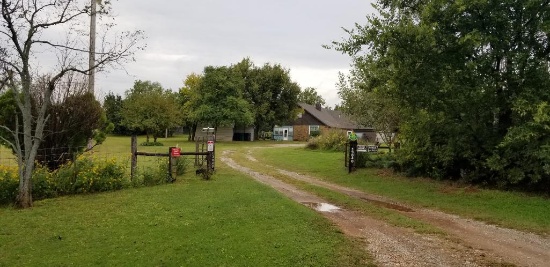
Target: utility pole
[(91, 78), (91, 57)]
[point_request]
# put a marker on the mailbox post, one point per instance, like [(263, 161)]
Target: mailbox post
[(352, 155), (174, 153), (210, 158)]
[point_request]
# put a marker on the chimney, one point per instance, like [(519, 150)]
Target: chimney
[(318, 106)]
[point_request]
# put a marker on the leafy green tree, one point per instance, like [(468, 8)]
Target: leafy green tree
[(29, 28), (220, 100), (150, 108), (112, 104), (188, 100), (309, 96), (270, 90), (470, 76), (73, 120), (370, 108)]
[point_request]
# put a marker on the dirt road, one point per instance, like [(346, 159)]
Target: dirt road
[(472, 243)]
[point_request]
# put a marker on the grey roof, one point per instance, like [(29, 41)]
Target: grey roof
[(331, 118)]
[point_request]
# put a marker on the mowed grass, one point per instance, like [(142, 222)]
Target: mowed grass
[(509, 209), (228, 221)]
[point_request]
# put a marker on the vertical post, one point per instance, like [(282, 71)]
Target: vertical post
[(134, 157), (91, 58), (346, 155), (352, 155), (209, 166), (211, 154), (197, 151), (169, 177)]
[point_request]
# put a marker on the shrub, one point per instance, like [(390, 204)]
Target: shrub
[(314, 133), (89, 175), (181, 165), (151, 144), (155, 175), (43, 183), (313, 143), (334, 140), (85, 175), (8, 184)]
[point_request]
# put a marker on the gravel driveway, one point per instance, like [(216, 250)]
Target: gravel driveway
[(471, 243)]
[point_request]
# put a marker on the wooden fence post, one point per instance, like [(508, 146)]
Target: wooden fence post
[(134, 157)]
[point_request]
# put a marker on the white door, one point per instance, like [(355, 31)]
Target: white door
[(285, 135)]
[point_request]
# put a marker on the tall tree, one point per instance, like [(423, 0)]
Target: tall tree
[(112, 104), (309, 96), (26, 27), (271, 91), (188, 99), (150, 108), (221, 102), (370, 108), (471, 76)]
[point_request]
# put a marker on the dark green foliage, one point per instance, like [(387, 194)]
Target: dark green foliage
[(8, 109), (151, 144), (270, 91), (470, 79), (150, 108), (71, 122), (314, 133), (220, 101), (85, 175), (112, 104), (309, 96)]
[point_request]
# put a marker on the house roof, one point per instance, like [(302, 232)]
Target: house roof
[(331, 118)]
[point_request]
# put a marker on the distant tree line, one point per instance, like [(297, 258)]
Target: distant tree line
[(241, 94), (463, 83)]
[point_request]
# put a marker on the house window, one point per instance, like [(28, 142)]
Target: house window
[(314, 130), (300, 115)]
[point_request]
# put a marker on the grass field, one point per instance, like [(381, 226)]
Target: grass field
[(228, 221), (233, 220), (509, 209)]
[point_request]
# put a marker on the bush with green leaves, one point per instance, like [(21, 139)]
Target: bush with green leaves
[(88, 174), (333, 140), (9, 184), (85, 175)]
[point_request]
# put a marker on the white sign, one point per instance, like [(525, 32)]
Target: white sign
[(210, 146)]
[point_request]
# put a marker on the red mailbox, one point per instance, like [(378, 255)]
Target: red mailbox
[(175, 152)]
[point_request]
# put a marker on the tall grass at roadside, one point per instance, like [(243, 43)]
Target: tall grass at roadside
[(509, 209)]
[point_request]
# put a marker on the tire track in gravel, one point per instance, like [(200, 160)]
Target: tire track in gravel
[(389, 245), (517, 247)]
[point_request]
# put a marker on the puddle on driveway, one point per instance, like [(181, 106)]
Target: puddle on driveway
[(322, 207)]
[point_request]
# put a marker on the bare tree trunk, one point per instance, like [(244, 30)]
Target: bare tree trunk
[(24, 198)]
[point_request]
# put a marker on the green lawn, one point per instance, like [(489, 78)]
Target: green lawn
[(509, 209), (230, 220)]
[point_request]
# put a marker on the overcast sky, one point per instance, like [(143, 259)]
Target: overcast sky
[(185, 36)]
